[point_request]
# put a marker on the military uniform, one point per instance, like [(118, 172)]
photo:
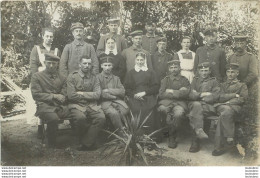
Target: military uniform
[(149, 43), (88, 115), (112, 102), (73, 52), (232, 97), (44, 87), (173, 104)]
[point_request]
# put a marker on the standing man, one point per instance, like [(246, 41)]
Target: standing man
[(129, 54), (174, 91), (160, 58), (73, 52), (112, 94), (37, 64), (84, 91), (121, 44), (232, 97), (149, 39), (248, 71), (204, 93), (49, 91), (213, 54)]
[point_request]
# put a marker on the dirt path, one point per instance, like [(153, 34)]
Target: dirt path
[(21, 147)]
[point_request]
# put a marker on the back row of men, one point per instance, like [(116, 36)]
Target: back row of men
[(82, 91)]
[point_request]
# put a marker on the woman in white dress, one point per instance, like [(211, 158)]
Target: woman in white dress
[(186, 57)]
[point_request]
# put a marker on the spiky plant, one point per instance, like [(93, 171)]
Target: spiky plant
[(132, 141)]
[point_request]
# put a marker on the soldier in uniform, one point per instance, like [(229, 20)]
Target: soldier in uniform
[(174, 91), (49, 91), (74, 51), (204, 93), (149, 39), (210, 52), (160, 58), (233, 94), (248, 71), (84, 91), (121, 44), (37, 64), (112, 94), (129, 54)]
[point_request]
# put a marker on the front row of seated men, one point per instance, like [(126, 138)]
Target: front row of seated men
[(177, 98)]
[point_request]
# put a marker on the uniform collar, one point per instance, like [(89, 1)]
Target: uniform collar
[(211, 47), (82, 75), (135, 48), (106, 76), (150, 36), (233, 81), (162, 53), (206, 79), (177, 77), (241, 54), (51, 75), (78, 43)]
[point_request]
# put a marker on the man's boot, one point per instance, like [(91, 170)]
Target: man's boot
[(40, 132), (172, 143), (52, 134), (195, 145)]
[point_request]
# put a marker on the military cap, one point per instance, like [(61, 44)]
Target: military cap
[(203, 65), (51, 57), (106, 59), (210, 31), (141, 54), (136, 33), (76, 25), (173, 62), (113, 20), (161, 39), (232, 66)]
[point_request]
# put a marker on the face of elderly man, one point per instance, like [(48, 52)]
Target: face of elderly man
[(78, 33), (174, 69)]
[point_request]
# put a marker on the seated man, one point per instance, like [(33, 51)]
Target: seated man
[(232, 96), (174, 90), (204, 93), (49, 91), (112, 94), (83, 93)]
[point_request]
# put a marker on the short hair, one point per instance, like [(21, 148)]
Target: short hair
[(186, 37), (48, 29), (84, 57)]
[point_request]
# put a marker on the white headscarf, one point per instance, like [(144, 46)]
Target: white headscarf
[(144, 67), (114, 51)]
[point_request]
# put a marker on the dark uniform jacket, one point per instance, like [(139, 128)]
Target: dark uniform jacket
[(89, 85), (159, 62), (149, 43), (228, 92), (174, 83), (248, 68), (115, 87), (43, 86), (71, 55), (200, 85), (216, 56), (120, 43)]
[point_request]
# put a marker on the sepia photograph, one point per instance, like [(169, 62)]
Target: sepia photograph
[(130, 83)]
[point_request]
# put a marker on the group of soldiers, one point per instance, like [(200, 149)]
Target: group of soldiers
[(140, 78)]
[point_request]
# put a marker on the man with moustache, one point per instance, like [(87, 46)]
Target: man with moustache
[(73, 52), (83, 89)]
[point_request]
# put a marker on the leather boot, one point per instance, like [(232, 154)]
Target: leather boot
[(40, 132), (172, 143), (52, 134), (195, 145)]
